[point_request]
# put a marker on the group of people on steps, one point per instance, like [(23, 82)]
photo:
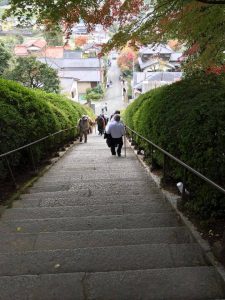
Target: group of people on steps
[(113, 130)]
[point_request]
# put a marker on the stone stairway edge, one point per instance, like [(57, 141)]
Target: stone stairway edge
[(24, 187), (172, 199)]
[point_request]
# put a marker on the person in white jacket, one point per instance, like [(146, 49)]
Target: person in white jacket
[(117, 130)]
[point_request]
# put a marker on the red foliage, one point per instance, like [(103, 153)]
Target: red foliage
[(106, 13), (192, 50), (126, 58), (80, 40), (218, 70)]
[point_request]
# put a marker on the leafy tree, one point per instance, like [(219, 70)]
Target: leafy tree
[(10, 41), (126, 59), (67, 13), (54, 36), (34, 74), (4, 59), (199, 24)]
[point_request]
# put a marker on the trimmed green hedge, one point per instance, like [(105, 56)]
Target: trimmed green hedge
[(27, 115), (187, 119)]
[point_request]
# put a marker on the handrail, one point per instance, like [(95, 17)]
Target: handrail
[(215, 185), (35, 142)]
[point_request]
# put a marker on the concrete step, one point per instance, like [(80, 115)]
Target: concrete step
[(79, 201), (15, 242), (91, 223), (92, 192), (98, 175), (188, 283), (83, 211), (99, 186), (102, 259), (70, 164)]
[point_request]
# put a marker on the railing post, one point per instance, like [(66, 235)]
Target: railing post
[(125, 145), (165, 177), (32, 159), (47, 144), (222, 252), (135, 145), (11, 173), (74, 134), (184, 185), (164, 167), (132, 138)]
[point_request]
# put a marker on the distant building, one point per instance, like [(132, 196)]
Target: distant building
[(71, 54), (33, 46), (146, 81), (69, 87), (91, 50), (39, 48), (80, 29), (99, 35), (87, 73), (159, 57)]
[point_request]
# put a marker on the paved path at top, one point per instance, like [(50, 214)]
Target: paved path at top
[(113, 95), (96, 227)]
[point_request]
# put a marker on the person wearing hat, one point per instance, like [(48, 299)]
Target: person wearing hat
[(83, 127)]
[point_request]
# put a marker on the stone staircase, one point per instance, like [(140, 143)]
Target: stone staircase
[(96, 227)]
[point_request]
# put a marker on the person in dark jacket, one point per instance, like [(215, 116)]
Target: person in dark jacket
[(101, 124)]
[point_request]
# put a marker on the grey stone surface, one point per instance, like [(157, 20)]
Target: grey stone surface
[(96, 227), (91, 191), (79, 201), (42, 287), (103, 259), (98, 187), (82, 211), (92, 238), (98, 238), (188, 283), (91, 223), (164, 284)]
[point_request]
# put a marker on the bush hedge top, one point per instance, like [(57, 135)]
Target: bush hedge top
[(27, 115)]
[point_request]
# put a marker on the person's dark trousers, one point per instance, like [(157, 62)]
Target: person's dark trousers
[(116, 143)]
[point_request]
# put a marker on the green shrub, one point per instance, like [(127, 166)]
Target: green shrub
[(95, 93), (93, 96), (187, 119), (27, 115)]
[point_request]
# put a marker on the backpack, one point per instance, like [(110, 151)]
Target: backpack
[(100, 121)]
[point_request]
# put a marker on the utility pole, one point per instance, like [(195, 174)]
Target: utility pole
[(133, 78)]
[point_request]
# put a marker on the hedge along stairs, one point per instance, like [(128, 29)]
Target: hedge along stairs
[(187, 119), (27, 115), (96, 227)]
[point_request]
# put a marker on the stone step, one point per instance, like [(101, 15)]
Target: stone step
[(111, 165), (15, 242), (99, 187), (90, 175), (186, 283), (91, 223), (92, 192), (102, 259), (83, 211), (79, 201)]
